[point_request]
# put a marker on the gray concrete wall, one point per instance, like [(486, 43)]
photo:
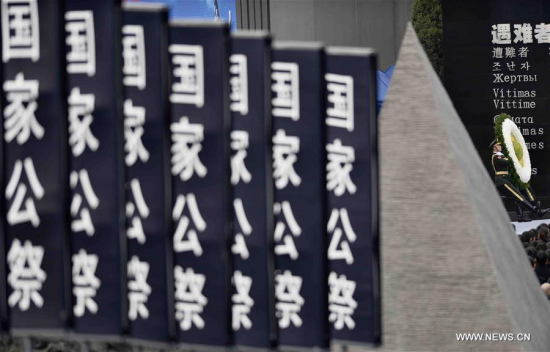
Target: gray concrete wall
[(368, 23)]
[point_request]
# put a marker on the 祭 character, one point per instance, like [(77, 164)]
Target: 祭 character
[(512, 167)]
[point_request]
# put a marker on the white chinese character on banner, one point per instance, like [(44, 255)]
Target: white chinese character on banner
[(523, 51), (133, 53), (84, 223), (524, 33), (134, 119), (135, 229), (186, 239), (339, 247), (340, 101), (239, 247), (186, 145), (285, 154), (542, 33), (81, 107), (19, 116), (239, 84), (341, 303), (20, 31), (497, 53), (289, 302), (16, 191), (81, 41), (286, 90), (340, 164), (284, 242), (138, 288), (188, 86), (242, 302), (25, 275), (85, 283), (190, 301), (501, 34), (510, 52), (239, 144)]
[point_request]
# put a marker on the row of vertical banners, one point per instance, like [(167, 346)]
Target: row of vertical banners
[(170, 183)]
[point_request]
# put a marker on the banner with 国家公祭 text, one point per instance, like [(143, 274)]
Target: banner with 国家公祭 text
[(253, 317), (200, 167), (298, 145), (352, 199), (35, 233), (147, 177), (94, 88)]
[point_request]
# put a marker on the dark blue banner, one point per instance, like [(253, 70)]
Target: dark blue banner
[(352, 200), (93, 46), (35, 172), (199, 57), (298, 165), (147, 158), (4, 327), (253, 320)]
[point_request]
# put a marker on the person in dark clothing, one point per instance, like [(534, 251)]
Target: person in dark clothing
[(531, 261), (505, 187), (543, 234), (540, 246), (542, 272)]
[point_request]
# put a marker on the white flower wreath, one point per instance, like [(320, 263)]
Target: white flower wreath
[(511, 133)]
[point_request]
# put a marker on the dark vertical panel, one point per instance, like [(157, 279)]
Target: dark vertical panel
[(251, 13), (238, 6), (261, 4), (3, 288), (352, 188), (299, 194), (97, 205), (148, 210), (258, 14), (254, 323), (35, 168), (201, 192)]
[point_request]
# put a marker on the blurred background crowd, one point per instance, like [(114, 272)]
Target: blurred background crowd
[(537, 247)]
